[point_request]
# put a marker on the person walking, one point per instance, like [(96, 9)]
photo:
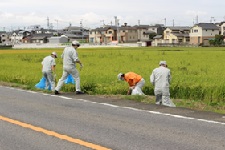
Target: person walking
[(70, 58), (160, 78), (135, 81), (48, 69)]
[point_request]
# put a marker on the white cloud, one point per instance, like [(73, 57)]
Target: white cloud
[(22, 13)]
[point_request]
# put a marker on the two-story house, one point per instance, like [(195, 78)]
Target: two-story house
[(42, 35), (104, 35), (4, 38), (176, 35), (222, 28), (76, 33), (141, 32), (128, 34), (201, 33)]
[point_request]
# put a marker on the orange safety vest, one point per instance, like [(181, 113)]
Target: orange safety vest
[(132, 78)]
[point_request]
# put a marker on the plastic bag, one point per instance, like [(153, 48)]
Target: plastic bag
[(41, 84), (69, 79), (137, 91)]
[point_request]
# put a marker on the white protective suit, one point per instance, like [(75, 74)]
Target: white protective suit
[(160, 78), (47, 64), (70, 57)]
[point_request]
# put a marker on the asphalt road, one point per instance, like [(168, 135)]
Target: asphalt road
[(37, 121)]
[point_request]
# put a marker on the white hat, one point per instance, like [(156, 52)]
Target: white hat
[(54, 53), (162, 63), (119, 76), (76, 43)]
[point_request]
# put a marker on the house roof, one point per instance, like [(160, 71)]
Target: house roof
[(127, 28), (149, 32), (141, 26), (105, 28), (208, 26), (157, 37), (38, 37), (179, 28), (180, 34)]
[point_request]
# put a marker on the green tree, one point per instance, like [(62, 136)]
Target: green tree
[(218, 40)]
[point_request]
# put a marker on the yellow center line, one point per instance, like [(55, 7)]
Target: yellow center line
[(55, 134)]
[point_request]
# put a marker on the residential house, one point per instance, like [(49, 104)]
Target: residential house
[(58, 39), (76, 33), (16, 36), (176, 35), (141, 32), (222, 28), (41, 35), (104, 35), (127, 34), (201, 33), (157, 40), (4, 37), (154, 34)]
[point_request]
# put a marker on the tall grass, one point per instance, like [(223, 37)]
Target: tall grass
[(197, 73)]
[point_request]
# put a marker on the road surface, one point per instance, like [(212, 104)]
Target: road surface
[(38, 121)]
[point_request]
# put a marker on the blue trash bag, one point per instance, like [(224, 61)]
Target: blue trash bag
[(42, 84), (69, 79)]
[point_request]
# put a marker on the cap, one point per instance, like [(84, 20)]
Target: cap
[(75, 43), (119, 76), (162, 63), (54, 53)]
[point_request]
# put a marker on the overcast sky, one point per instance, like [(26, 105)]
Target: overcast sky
[(15, 14)]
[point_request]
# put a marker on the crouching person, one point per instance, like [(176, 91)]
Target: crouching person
[(135, 81), (160, 78)]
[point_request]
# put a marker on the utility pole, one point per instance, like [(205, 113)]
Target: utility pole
[(47, 22), (197, 19), (57, 21), (165, 22), (212, 20), (102, 22), (81, 27), (117, 27)]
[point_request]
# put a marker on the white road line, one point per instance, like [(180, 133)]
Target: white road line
[(135, 109), (32, 92), (64, 97), (106, 104)]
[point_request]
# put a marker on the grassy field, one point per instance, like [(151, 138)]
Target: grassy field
[(197, 73)]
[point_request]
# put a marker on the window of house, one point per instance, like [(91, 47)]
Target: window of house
[(196, 31), (110, 32), (187, 39)]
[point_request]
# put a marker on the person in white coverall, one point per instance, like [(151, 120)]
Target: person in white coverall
[(70, 58), (160, 78), (48, 68)]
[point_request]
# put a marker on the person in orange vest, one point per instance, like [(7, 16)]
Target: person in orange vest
[(135, 81)]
